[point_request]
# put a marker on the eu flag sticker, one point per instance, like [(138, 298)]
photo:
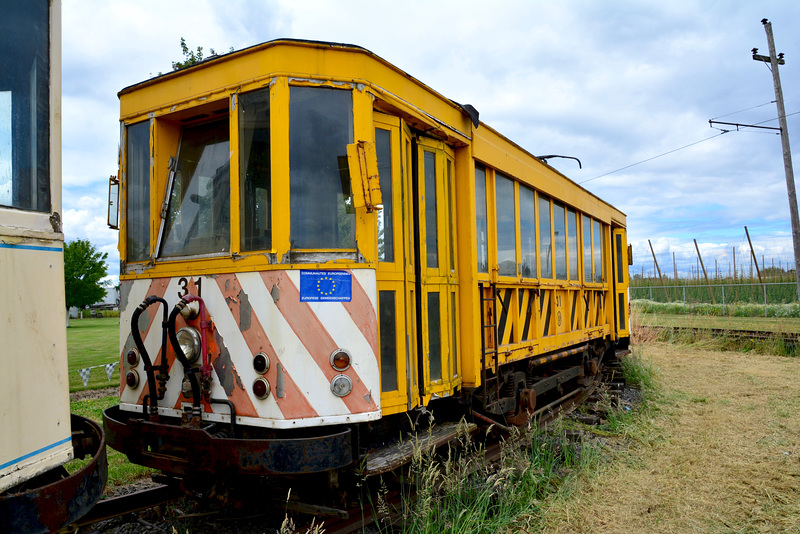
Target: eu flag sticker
[(326, 286)]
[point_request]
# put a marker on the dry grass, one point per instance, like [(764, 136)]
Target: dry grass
[(725, 455)]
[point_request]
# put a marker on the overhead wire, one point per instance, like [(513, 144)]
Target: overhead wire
[(722, 132)]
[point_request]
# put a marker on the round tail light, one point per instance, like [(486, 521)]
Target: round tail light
[(261, 388), (261, 363), (132, 379), (340, 359)]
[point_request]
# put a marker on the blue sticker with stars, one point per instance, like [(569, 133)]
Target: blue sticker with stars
[(326, 286)]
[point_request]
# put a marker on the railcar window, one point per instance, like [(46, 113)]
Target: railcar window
[(137, 207), (388, 340), (545, 240), (255, 171), (572, 242), (586, 228), (506, 227), (25, 106), (431, 234), (560, 244), (450, 194), (598, 252), (198, 218), (620, 272), (320, 128), (454, 335), (527, 231), (480, 219), (383, 145), (434, 336)]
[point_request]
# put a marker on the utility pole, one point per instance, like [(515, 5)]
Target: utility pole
[(774, 59)]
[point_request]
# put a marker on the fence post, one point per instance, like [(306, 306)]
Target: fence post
[(684, 295), (723, 300), (765, 299)]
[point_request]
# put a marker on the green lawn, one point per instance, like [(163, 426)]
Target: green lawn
[(762, 324), (93, 342)]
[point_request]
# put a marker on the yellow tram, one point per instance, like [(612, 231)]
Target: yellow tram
[(320, 242)]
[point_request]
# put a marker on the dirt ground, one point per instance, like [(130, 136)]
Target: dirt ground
[(720, 455)]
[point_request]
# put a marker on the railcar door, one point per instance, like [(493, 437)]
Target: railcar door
[(433, 226), (620, 277), (395, 273)]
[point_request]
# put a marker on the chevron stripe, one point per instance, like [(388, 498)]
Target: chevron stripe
[(297, 337)]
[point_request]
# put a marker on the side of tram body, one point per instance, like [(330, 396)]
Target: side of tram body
[(34, 385), (322, 202)]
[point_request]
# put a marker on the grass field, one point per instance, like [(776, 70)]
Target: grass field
[(762, 324), (92, 342)]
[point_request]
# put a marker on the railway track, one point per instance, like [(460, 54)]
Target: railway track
[(159, 507)]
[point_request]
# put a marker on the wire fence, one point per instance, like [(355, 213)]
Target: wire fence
[(776, 298)]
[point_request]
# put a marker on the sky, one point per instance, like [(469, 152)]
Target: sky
[(628, 87)]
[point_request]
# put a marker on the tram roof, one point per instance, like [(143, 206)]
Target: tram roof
[(468, 114)]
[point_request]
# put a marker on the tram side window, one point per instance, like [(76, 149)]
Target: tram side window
[(431, 212), (560, 244), (254, 167), (506, 227), (572, 242), (480, 219), (321, 205), (598, 252), (545, 244), (586, 228), (198, 218), (137, 175), (527, 231), (25, 106), (383, 147)]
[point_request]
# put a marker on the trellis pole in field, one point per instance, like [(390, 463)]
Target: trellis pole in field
[(699, 257)]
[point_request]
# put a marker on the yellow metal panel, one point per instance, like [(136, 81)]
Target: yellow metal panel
[(235, 174), (279, 153)]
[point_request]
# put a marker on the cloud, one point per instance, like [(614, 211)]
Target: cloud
[(612, 83)]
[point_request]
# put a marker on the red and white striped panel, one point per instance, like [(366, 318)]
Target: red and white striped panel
[(262, 312)]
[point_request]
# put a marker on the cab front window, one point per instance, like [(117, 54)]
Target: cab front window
[(320, 128), (198, 216)]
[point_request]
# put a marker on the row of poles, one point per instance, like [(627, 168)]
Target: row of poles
[(702, 265)]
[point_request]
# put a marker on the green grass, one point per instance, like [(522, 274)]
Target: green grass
[(459, 492), (120, 470), (92, 342), (762, 324)]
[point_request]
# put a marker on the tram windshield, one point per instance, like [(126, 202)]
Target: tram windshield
[(198, 217)]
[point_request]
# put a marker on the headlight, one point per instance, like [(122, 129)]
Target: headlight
[(190, 342)]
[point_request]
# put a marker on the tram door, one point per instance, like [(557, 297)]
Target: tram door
[(433, 226), (620, 276), (416, 275), (395, 273)]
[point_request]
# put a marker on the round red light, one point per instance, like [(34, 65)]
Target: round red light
[(133, 357), (132, 379), (261, 363), (261, 388)]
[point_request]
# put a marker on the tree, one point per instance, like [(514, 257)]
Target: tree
[(190, 57), (84, 267)]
